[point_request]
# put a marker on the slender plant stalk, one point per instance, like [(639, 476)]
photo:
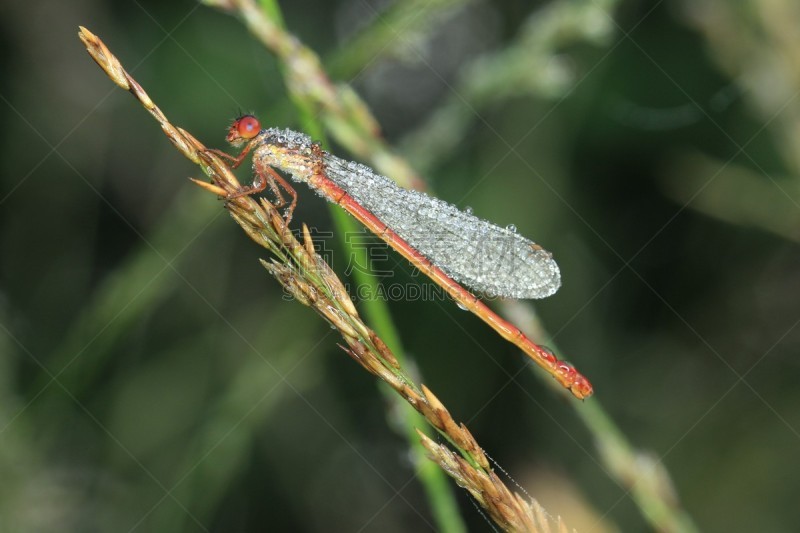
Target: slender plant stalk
[(337, 105), (439, 493), (306, 276), (641, 473)]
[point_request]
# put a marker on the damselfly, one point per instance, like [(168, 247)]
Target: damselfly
[(447, 244)]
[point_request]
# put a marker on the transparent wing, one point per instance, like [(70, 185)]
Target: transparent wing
[(487, 258)]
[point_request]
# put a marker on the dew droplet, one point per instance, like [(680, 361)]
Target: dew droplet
[(468, 210), (461, 306), (512, 228)]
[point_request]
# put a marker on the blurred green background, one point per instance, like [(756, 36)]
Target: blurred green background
[(153, 379)]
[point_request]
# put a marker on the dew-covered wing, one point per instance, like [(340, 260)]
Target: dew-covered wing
[(487, 258)]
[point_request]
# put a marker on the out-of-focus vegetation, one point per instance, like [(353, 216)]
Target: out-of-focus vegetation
[(152, 378)]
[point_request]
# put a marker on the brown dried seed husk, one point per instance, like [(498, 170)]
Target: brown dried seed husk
[(210, 187), (471, 445), (384, 350)]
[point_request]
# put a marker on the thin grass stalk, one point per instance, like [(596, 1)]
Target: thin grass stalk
[(640, 473), (438, 491), (306, 276)]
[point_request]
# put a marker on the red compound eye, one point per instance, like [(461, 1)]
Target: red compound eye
[(248, 126)]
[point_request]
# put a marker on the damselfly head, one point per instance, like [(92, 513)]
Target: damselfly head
[(243, 129)]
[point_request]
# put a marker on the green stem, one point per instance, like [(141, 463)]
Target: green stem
[(434, 481)]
